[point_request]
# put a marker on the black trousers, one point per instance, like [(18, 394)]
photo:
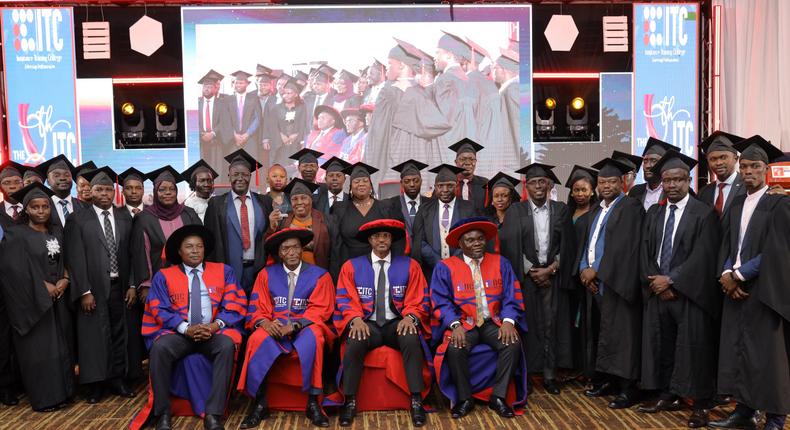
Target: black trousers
[(9, 373), (458, 360), (116, 307), (386, 335), (169, 348)]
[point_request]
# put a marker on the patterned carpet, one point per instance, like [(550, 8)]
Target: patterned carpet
[(569, 410)]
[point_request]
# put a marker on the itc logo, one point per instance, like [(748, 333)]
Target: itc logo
[(663, 26), (36, 30)]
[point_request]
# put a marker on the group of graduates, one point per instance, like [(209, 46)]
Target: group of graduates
[(654, 294), (413, 105)]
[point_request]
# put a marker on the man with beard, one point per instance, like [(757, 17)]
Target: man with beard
[(453, 93), (307, 163), (59, 172), (211, 120), (433, 220), (201, 181), (243, 118), (376, 74), (10, 182), (609, 270), (238, 220), (680, 239), (132, 183), (537, 237), (331, 191), (754, 353), (470, 186), (506, 76), (632, 161), (651, 192), (410, 200), (722, 159)]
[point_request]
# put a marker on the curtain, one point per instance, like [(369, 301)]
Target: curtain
[(755, 69)]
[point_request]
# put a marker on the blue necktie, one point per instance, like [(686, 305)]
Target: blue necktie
[(412, 209), (195, 311), (666, 244)]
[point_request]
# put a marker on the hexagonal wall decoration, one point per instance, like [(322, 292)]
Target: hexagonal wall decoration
[(145, 35), (561, 32)]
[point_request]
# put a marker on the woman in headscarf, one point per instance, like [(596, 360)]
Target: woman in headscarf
[(34, 282), (150, 231), (304, 216), (344, 97)]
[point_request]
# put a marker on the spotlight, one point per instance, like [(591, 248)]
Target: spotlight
[(544, 118), (166, 123), (132, 124), (576, 117)]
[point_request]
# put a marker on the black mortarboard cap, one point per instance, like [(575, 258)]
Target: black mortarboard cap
[(359, 169), (538, 170), (242, 158), (131, 173), (241, 74), (656, 146), (347, 76), (609, 168), (756, 148), (261, 70), (502, 179), (634, 161), (210, 77), (165, 173), (54, 163), (11, 168), (199, 166), (719, 141), (101, 176), (409, 167), (335, 164), (466, 145), (36, 190), (84, 168), (454, 44), (300, 186), (674, 160), (579, 172), (294, 85), (306, 155), (508, 59), (446, 173)]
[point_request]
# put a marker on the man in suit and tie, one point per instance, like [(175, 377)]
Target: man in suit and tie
[(267, 99), (470, 186), (10, 182), (59, 173), (97, 259), (327, 137), (331, 191), (410, 200), (722, 159), (210, 120), (433, 220), (680, 240), (242, 110), (238, 220), (651, 192), (132, 183), (320, 94)]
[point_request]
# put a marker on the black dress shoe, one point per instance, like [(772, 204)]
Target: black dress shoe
[(212, 422), (347, 413), (723, 400), (417, 412), (551, 387), (95, 394), (498, 405), (699, 418), (462, 409), (316, 415), (736, 421), (622, 401), (120, 389), (600, 390), (8, 398), (259, 413), (163, 423), (661, 405), (772, 427)]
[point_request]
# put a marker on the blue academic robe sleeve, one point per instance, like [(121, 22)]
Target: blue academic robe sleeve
[(170, 319), (442, 295)]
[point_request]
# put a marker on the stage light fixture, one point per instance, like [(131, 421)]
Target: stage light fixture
[(544, 117), (166, 123), (132, 124), (576, 117)]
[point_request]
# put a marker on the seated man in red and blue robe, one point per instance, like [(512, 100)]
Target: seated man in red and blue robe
[(290, 307), (193, 307), (382, 300), (478, 312)]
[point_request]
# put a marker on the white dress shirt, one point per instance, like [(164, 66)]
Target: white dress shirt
[(70, 205), (417, 205), (131, 209), (729, 181), (205, 300), (338, 197), (540, 218), (9, 208), (652, 196), (678, 214), (200, 205), (597, 232), (486, 312), (376, 270), (249, 254), (746, 216)]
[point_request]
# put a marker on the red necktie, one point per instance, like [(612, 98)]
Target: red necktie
[(719, 205), (15, 215), (245, 224), (207, 120), (135, 211)]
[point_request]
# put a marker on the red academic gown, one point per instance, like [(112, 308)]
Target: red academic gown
[(453, 299), (330, 143), (313, 303), (356, 298), (166, 307)]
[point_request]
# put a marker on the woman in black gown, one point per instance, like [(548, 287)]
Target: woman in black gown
[(34, 282), (150, 231), (581, 202), (500, 194)]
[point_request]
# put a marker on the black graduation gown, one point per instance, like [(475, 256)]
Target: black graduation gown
[(9, 368), (88, 263), (321, 200), (584, 315), (456, 98), (754, 355), (380, 132), (77, 204), (347, 220), (697, 309), (517, 241), (287, 122), (42, 328), (708, 195), (146, 224), (398, 203), (426, 229), (619, 331)]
